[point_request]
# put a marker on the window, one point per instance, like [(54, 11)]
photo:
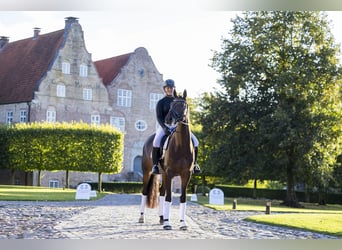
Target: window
[(154, 98), (118, 122), (53, 183), (83, 70), (23, 116), (140, 125), (95, 119), (51, 116), (60, 90), (66, 68), (9, 117), (87, 94), (124, 98)]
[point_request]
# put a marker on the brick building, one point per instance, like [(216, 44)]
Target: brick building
[(52, 77)]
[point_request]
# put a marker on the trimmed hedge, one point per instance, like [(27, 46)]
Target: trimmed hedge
[(276, 194), (119, 187), (232, 192)]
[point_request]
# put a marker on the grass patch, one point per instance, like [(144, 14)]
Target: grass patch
[(28, 193), (313, 217), (322, 223)]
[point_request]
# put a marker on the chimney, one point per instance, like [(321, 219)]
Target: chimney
[(3, 41), (70, 20), (36, 32)]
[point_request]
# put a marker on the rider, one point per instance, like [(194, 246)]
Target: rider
[(162, 108)]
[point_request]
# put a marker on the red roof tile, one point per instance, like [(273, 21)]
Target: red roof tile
[(23, 63), (109, 68)]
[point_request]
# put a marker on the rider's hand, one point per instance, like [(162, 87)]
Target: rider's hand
[(167, 131)]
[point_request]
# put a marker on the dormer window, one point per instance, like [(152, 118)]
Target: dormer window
[(66, 68), (83, 70)]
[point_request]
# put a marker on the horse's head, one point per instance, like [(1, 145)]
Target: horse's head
[(178, 109)]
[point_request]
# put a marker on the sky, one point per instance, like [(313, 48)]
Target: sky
[(180, 41)]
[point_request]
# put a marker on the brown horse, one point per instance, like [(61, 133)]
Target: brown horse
[(177, 160)]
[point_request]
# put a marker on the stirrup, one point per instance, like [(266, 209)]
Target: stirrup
[(155, 169), (196, 169)]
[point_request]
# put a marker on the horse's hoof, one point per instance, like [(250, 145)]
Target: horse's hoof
[(141, 220), (183, 228), (161, 222), (167, 227)]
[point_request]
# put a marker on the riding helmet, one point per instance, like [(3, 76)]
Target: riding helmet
[(169, 83)]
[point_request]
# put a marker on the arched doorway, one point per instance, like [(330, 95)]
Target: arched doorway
[(137, 164)]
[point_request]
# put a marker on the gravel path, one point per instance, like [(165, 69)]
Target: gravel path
[(116, 217)]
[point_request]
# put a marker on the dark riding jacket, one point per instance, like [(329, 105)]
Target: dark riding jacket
[(162, 108)]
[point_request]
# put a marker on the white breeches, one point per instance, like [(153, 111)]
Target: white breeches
[(160, 133)]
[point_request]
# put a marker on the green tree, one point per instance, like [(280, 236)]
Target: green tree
[(278, 113)]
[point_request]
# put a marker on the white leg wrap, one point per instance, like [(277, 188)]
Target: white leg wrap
[(161, 205), (182, 209), (143, 203), (167, 210)]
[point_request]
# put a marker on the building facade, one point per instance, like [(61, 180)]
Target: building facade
[(53, 78)]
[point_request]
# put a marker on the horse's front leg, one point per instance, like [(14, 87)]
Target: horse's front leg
[(185, 181), (168, 202)]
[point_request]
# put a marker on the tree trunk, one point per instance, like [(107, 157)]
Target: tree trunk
[(100, 182), (255, 189), (38, 178), (291, 198), (67, 179), (12, 178)]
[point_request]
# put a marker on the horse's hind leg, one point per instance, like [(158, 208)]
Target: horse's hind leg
[(142, 208), (161, 209), (161, 203)]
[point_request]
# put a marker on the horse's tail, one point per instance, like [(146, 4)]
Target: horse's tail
[(153, 191)]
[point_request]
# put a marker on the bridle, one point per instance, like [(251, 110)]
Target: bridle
[(179, 111)]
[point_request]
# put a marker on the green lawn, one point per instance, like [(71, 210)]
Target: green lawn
[(25, 193), (317, 218)]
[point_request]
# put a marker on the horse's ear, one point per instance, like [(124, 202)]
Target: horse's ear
[(175, 93), (185, 94)]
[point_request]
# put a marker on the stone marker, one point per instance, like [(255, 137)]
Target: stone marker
[(193, 197), (83, 191), (216, 197)]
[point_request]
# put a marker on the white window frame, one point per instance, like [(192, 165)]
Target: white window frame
[(124, 98), (87, 94), (95, 119), (23, 116), (118, 122), (60, 90), (140, 125), (66, 68), (53, 183), (154, 98), (9, 117), (50, 115), (83, 70)]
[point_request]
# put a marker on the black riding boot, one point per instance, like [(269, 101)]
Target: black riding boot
[(155, 160), (197, 169)]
